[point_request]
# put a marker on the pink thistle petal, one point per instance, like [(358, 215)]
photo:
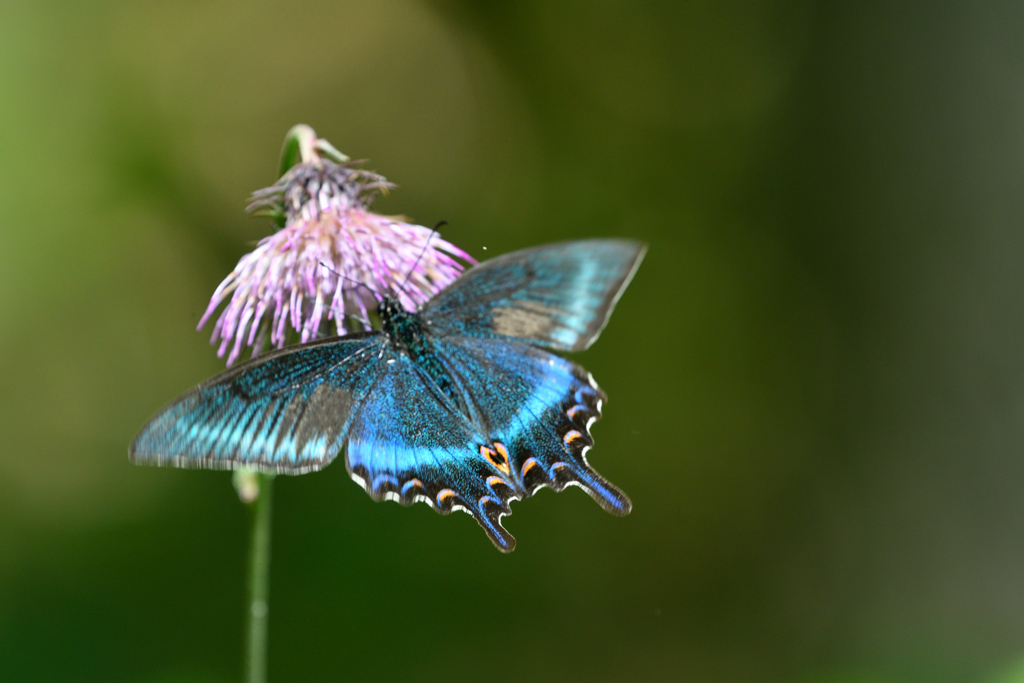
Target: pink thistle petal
[(223, 348), (293, 303), (240, 336), (261, 308)]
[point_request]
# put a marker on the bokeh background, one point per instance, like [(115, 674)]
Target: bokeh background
[(817, 389)]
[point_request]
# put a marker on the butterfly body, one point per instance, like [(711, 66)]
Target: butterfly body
[(407, 333), (457, 405)]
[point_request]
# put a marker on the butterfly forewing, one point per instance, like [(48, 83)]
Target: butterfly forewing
[(559, 295), (286, 412)]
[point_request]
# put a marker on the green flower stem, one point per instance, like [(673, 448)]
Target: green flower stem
[(301, 145), (298, 146), (259, 582)]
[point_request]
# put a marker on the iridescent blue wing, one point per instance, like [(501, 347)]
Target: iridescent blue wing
[(409, 443), (530, 414), (537, 410), (558, 296), (288, 411)]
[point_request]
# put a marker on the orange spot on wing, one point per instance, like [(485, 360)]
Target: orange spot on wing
[(571, 436), (494, 480), (529, 465), (497, 456), (444, 495), (571, 413)]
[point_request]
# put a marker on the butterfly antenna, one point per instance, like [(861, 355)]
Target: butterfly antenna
[(361, 284), (343, 277), (422, 252)]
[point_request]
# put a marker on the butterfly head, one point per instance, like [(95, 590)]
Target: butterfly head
[(389, 309)]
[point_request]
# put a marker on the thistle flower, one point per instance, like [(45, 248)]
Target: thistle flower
[(333, 258)]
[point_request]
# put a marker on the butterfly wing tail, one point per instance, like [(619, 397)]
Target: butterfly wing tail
[(552, 451), (442, 485)]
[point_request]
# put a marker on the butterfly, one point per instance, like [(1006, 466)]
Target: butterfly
[(461, 404)]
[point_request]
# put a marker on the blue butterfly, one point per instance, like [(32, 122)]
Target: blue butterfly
[(454, 405)]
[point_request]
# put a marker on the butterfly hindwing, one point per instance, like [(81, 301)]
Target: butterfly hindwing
[(528, 427), (408, 443), (287, 411), (558, 295), (539, 408)]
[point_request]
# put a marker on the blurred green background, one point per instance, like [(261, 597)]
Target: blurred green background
[(817, 393)]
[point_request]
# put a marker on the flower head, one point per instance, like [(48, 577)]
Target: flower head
[(333, 258)]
